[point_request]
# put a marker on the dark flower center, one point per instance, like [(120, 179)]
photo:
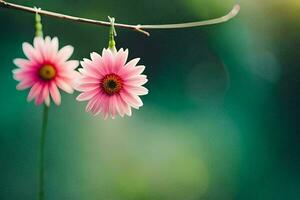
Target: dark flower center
[(111, 84), (47, 72)]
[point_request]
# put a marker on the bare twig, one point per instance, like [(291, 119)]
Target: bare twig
[(139, 28)]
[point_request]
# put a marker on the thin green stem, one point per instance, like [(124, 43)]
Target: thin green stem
[(112, 34), (38, 25), (41, 178)]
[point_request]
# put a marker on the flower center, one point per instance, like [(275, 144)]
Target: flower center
[(47, 72), (111, 84)]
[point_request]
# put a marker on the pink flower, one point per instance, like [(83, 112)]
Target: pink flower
[(45, 70), (110, 85)]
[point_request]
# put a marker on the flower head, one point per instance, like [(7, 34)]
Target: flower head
[(110, 85), (45, 70)]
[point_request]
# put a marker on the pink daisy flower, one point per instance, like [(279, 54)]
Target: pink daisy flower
[(110, 85), (45, 70)]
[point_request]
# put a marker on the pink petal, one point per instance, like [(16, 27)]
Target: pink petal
[(47, 100), (69, 76), (136, 80), (55, 93), (55, 44), (87, 95), (120, 60), (62, 84), (49, 51), (108, 61), (97, 108), (90, 71), (105, 107), (95, 57), (46, 94), (112, 106), (34, 91), (89, 80), (93, 68), (132, 63), (71, 64), (121, 106), (87, 86), (48, 47), (64, 53), (116, 103), (21, 75), (31, 53), (42, 94), (39, 45), (124, 107), (137, 90), (22, 63), (131, 99), (25, 84), (91, 104), (134, 71)]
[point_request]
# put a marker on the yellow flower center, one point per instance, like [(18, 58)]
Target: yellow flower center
[(47, 72), (111, 84)]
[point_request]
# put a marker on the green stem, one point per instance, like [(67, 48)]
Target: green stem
[(111, 42), (38, 26), (41, 183), (111, 36)]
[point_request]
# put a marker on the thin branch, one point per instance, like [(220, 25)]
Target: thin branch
[(139, 28)]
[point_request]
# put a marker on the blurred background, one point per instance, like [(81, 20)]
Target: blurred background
[(220, 121)]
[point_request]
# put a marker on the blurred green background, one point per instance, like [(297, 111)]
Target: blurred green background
[(221, 120)]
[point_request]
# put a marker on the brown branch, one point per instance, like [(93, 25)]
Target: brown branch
[(139, 28)]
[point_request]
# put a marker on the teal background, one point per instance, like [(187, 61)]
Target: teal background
[(221, 120)]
